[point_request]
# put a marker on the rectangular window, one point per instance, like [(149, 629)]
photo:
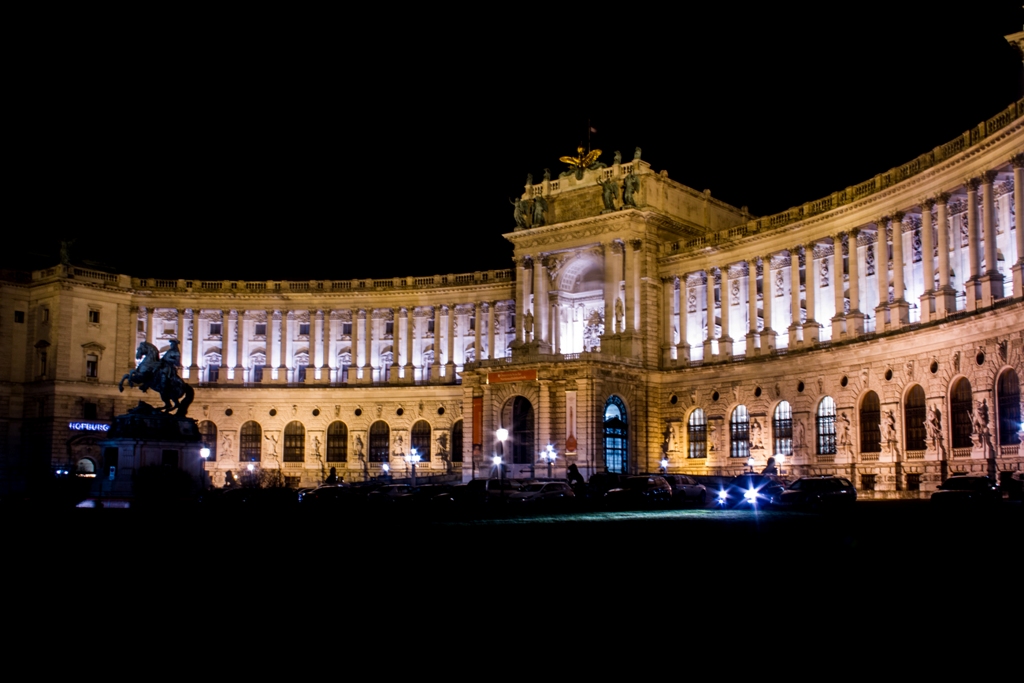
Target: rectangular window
[(346, 329), (867, 482), (430, 325), (914, 482), (257, 373), (91, 365), (389, 327), (215, 329), (304, 329), (19, 316), (140, 326), (472, 323), (45, 315), (213, 373), (300, 373), (42, 363), (261, 329), (94, 317)]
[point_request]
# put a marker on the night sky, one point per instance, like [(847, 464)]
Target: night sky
[(393, 149)]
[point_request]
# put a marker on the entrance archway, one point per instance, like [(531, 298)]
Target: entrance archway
[(517, 418), (616, 436)]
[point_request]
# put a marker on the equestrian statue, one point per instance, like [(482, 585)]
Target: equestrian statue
[(161, 375)]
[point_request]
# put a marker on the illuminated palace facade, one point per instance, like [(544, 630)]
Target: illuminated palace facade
[(877, 333)]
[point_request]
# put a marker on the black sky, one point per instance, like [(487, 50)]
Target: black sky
[(316, 148)]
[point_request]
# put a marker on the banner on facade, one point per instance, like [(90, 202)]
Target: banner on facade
[(478, 427), (511, 376), (570, 422)]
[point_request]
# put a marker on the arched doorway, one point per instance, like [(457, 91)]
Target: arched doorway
[(517, 418), (616, 436)]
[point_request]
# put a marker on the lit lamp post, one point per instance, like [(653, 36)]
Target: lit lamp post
[(386, 469), (750, 463), (204, 453), (412, 459), (548, 456), (779, 459), (502, 435), (664, 465)]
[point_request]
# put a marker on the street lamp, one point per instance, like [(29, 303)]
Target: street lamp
[(412, 459), (779, 459), (664, 465), (386, 469), (204, 453), (750, 463), (502, 434), (548, 455)]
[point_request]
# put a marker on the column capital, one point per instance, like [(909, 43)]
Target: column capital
[(973, 184), (853, 233), (1017, 160), (988, 177), (897, 217), (616, 246), (668, 279), (927, 204), (636, 244), (943, 197)]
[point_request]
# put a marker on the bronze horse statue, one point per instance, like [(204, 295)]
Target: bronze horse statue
[(161, 375)]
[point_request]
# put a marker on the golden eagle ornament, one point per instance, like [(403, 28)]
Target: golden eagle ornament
[(582, 160)]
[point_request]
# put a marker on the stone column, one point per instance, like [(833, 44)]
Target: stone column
[(927, 302), (368, 372), (540, 300), (767, 296), (490, 329), (683, 347), (435, 366), (725, 300), (899, 310), (180, 330), (354, 371), (239, 346), (992, 280), (612, 267), (812, 327), (838, 289), (522, 300), (973, 248), (286, 344), (327, 362), (882, 271), (795, 325), (225, 345), (150, 331), (855, 318), (668, 289), (1018, 207), (478, 322), (945, 296), (193, 370), (752, 338), (396, 347), (410, 333), (450, 353), (314, 343), (633, 288), (708, 356)]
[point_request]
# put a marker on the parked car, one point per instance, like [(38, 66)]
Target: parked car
[(686, 489), (644, 491), (542, 494), (750, 490), (967, 490), (329, 495), (817, 493), (601, 483)]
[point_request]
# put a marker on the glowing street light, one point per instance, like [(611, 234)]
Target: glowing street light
[(548, 455), (780, 458), (664, 465), (750, 463), (412, 458), (204, 453)]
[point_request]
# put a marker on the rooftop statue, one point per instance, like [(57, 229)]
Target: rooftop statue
[(609, 192), (519, 213), (630, 185), (582, 161), (161, 375), (540, 205)]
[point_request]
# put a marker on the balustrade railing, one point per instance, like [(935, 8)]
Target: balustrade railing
[(869, 457), (915, 455), (961, 452)]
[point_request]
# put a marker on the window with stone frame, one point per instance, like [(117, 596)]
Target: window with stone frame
[(294, 442), (739, 433), (94, 316), (867, 482), (208, 432), (380, 442), (1008, 408), (250, 442), (92, 363), (420, 439), (697, 435), (961, 409), (337, 442), (913, 481), (913, 419), (826, 426), (782, 429), (870, 424)]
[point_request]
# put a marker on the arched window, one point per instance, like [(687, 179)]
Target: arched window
[(826, 426), (697, 434), (457, 442), (870, 424), (294, 442), (739, 433), (250, 442), (337, 442), (517, 418), (1008, 399), (961, 407), (616, 436), (782, 429), (913, 419), (380, 441), (208, 431), (420, 439)]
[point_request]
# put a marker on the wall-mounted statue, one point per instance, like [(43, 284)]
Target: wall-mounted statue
[(630, 186), (540, 205), (609, 193), (519, 213)]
